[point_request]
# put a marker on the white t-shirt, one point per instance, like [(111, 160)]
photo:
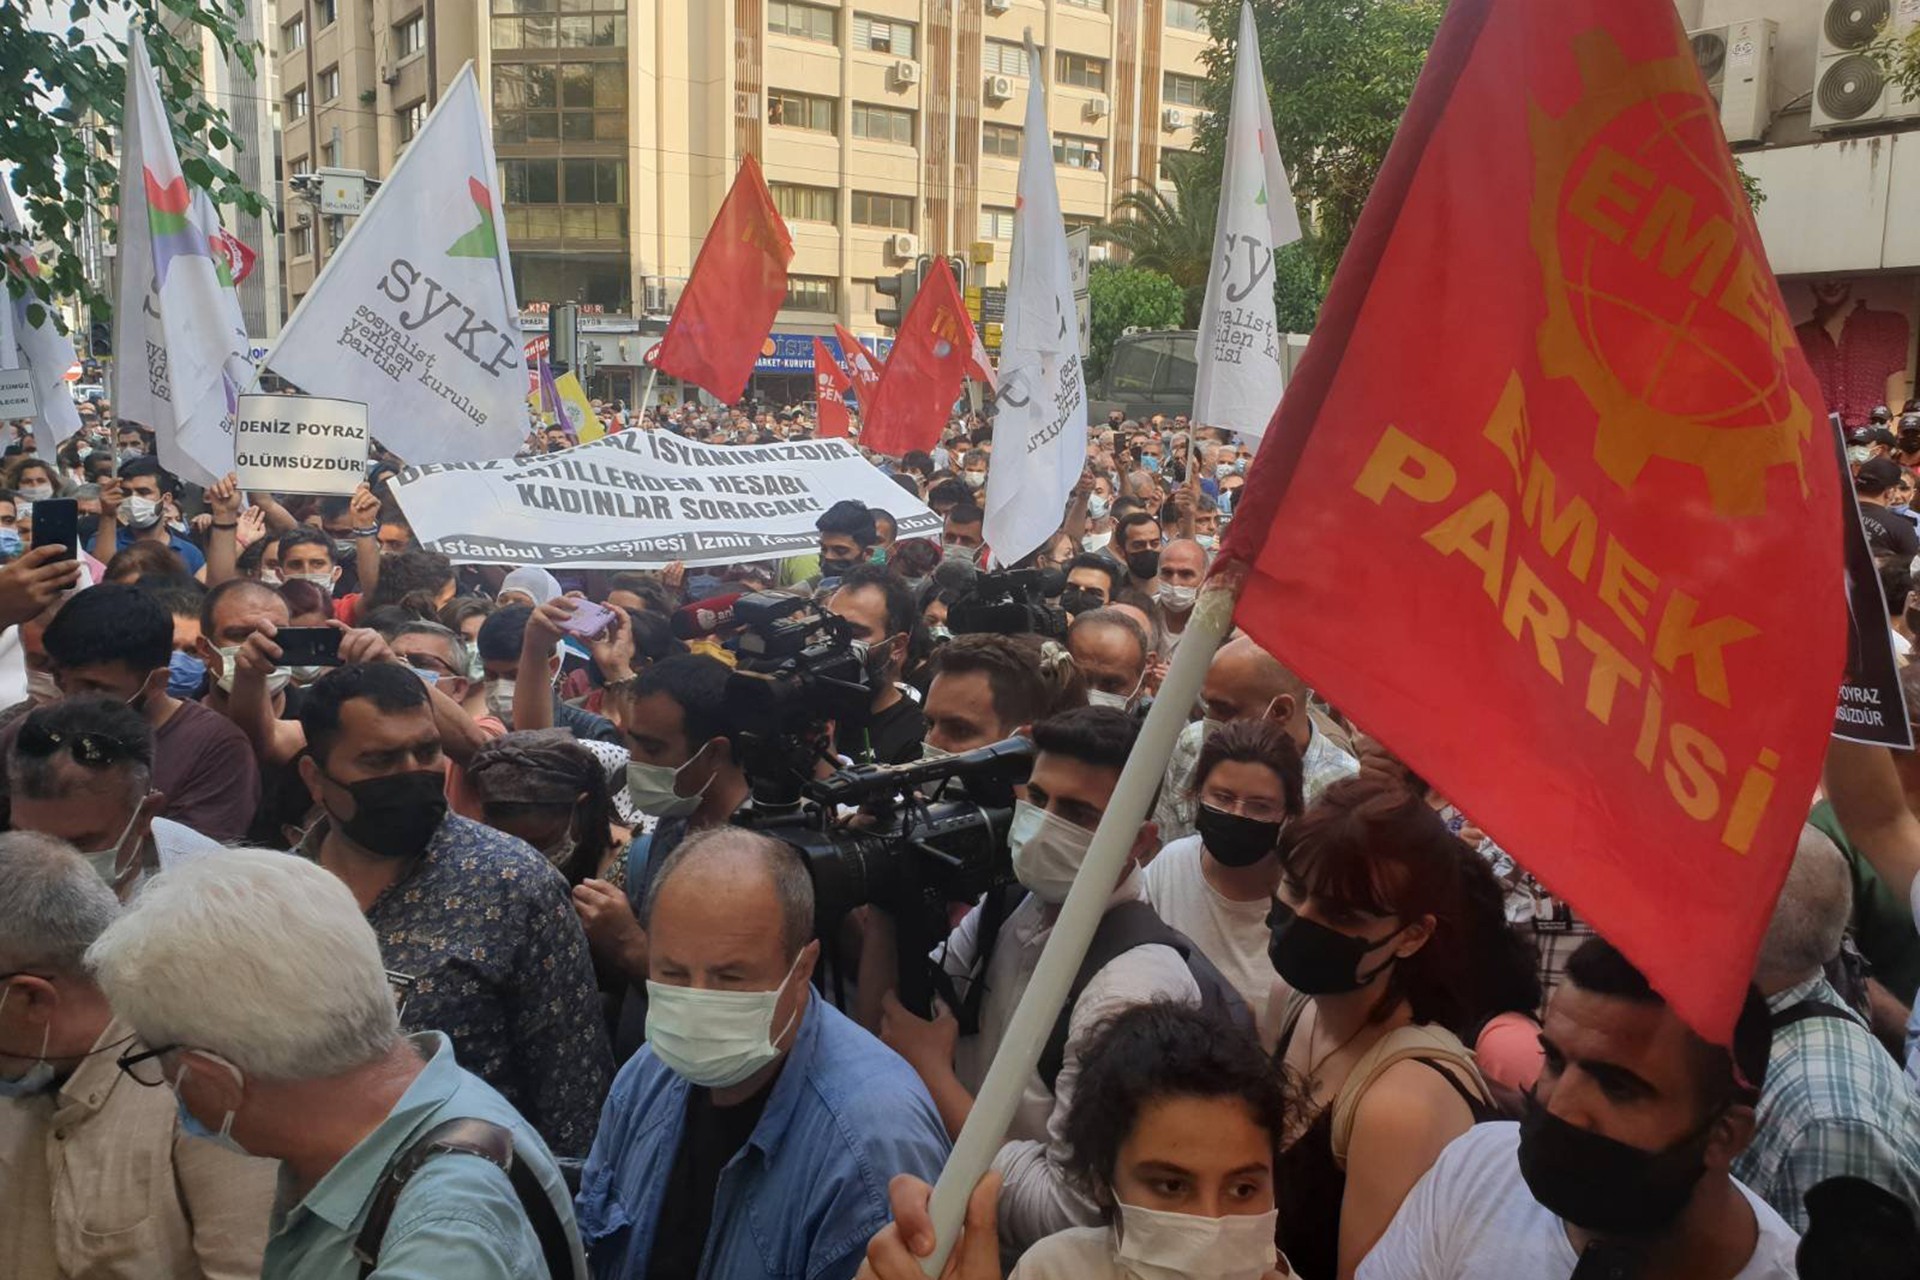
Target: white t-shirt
[(1472, 1218), (1231, 934)]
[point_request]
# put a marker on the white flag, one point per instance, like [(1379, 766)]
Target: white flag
[(1241, 376), (1040, 430), (180, 341), (415, 314), (42, 349)]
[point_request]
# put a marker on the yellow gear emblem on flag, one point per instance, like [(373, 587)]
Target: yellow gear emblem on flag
[(1660, 305)]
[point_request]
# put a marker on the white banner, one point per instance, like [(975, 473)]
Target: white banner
[(300, 444), (16, 394), (644, 499), (44, 352), (1040, 427), (415, 312), (1242, 368), (178, 334)]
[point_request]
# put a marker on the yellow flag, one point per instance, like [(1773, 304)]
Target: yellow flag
[(581, 419)]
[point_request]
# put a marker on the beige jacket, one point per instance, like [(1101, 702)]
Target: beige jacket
[(97, 1180)]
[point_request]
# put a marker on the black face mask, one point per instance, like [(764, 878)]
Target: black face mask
[(833, 567), (1316, 960), (1078, 600), (1602, 1185), (396, 815), (1234, 840), (1143, 564)]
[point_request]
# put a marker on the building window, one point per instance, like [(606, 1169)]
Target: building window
[(293, 36), (1099, 5), (297, 104), (1077, 153), (1000, 140), (330, 153), (410, 37), (810, 293), (883, 35), (892, 213), (806, 204), (883, 124), (324, 12), (1079, 71), (802, 21), (553, 102), (299, 167), (1170, 162), (1005, 58), (329, 84), (800, 110), (411, 119), (569, 30), (300, 241), (1187, 15), (565, 199), (1177, 90), (996, 224)]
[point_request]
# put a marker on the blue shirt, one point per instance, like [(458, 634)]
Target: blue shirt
[(177, 544), (801, 1199), (458, 1216), (485, 928)]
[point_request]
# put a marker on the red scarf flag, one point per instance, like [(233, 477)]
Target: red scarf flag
[(863, 368), (932, 356), (1552, 428), (738, 284), (829, 388)]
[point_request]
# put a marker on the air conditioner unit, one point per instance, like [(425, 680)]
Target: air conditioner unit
[(906, 72), (1737, 62), (999, 88), (1851, 89), (1173, 118), (388, 75), (904, 246), (999, 6), (1097, 108)]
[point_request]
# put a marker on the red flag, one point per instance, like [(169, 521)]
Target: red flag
[(931, 358), (1552, 429), (829, 386), (862, 366), (738, 283)]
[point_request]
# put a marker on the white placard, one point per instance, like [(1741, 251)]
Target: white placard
[(644, 499), (16, 394), (300, 444)]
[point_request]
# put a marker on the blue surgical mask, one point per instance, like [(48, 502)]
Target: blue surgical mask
[(191, 1126), (9, 544), (185, 673), (1151, 463), (38, 1078)]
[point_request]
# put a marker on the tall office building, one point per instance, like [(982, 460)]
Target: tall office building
[(887, 129)]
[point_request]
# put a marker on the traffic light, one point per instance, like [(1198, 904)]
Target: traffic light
[(900, 286), (958, 265), (563, 336)]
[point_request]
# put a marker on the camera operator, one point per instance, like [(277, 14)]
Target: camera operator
[(985, 688), (880, 609), (1134, 959)]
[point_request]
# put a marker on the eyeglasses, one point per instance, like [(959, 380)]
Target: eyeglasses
[(145, 1068), (95, 750)]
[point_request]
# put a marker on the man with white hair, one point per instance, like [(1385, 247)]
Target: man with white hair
[(1835, 1104), (97, 1177), (260, 984)]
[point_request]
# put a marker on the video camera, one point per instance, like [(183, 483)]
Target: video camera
[(934, 832), (1011, 602), (798, 668)]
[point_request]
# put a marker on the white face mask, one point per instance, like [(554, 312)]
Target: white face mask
[(654, 788), (35, 492), (276, 678), (1098, 506), (139, 513), (715, 1039), (1094, 542), (1118, 701), (106, 862), (1156, 1245), (500, 699), (324, 581), (973, 479), (1047, 851), (1176, 599), (953, 551)]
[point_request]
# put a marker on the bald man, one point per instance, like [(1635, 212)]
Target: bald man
[(1245, 682), (743, 1060)]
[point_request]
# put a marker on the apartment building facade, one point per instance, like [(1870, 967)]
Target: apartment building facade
[(887, 129), (1835, 148)]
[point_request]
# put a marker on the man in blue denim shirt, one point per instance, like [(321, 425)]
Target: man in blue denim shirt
[(755, 1134)]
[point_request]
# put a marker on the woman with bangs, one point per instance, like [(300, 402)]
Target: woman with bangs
[(1391, 944)]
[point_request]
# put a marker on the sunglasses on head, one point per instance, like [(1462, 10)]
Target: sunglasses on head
[(93, 749)]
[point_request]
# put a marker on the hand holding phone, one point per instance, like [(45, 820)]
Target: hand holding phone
[(588, 620), (309, 646), (56, 523)]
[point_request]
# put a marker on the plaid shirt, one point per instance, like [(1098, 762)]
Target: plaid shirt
[(1835, 1104)]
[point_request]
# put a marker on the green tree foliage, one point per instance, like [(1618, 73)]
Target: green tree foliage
[(1170, 235), (65, 78), (1128, 297)]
